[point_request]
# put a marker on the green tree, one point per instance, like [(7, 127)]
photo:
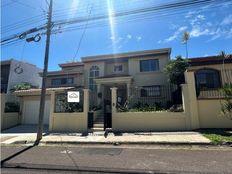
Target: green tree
[(185, 39), (175, 70), (226, 105)]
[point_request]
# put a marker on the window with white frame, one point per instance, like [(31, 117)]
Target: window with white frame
[(151, 91), (117, 68), (93, 73)]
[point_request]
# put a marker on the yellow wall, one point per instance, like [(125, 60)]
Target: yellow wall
[(209, 114), (8, 119), (148, 121), (69, 122)]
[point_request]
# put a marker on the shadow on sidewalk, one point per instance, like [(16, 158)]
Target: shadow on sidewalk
[(17, 153)]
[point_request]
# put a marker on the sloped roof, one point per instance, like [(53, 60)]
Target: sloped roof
[(209, 60)]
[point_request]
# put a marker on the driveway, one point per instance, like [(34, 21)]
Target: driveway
[(16, 132), (24, 128)]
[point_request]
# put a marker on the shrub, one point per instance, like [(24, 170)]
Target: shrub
[(226, 107), (12, 107)]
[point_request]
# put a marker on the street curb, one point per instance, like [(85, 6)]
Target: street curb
[(117, 143)]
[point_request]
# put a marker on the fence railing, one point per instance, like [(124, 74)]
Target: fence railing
[(150, 98), (62, 104), (213, 93), (11, 103)]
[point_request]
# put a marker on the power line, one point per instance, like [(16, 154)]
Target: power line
[(23, 4), (79, 44), (139, 11)]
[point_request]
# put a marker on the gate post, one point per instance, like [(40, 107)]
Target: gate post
[(193, 104), (86, 101), (113, 100), (86, 107), (52, 110)]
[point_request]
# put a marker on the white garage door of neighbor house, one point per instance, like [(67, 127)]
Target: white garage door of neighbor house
[(31, 111)]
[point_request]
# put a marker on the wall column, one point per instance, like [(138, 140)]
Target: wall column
[(193, 104), (86, 106), (113, 100), (128, 85), (52, 110)]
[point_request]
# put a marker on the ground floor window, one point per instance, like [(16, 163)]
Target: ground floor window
[(151, 91), (207, 78)]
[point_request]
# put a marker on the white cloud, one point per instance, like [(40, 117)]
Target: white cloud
[(139, 38), (198, 31), (129, 36), (176, 34), (227, 20), (191, 13), (197, 20)]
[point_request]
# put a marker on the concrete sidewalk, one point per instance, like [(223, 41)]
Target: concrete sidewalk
[(110, 138)]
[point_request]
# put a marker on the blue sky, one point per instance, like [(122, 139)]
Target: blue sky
[(210, 29)]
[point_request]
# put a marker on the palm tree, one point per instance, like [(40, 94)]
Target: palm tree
[(185, 39)]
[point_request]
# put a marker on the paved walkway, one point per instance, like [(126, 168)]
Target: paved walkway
[(10, 137)]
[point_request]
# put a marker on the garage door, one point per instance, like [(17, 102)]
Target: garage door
[(31, 111)]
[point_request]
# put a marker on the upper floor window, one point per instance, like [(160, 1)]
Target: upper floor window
[(62, 81), (149, 65), (117, 68), (151, 91), (93, 73), (207, 78)]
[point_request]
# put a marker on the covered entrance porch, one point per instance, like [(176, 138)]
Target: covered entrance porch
[(104, 85)]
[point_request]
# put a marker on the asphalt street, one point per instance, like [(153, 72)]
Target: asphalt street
[(110, 159)]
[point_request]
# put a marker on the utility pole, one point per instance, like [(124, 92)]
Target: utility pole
[(43, 91)]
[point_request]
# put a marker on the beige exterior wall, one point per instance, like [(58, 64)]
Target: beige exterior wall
[(109, 68), (74, 68), (8, 119), (148, 121), (197, 114), (88, 65), (78, 80), (210, 116), (69, 122), (148, 78)]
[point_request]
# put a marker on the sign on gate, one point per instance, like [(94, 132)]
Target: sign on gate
[(73, 96)]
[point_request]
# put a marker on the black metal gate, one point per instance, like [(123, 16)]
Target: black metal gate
[(107, 108)]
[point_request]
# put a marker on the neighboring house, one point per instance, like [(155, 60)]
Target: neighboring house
[(211, 72), (14, 72)]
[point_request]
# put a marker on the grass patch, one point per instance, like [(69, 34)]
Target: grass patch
[(217, 136)]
